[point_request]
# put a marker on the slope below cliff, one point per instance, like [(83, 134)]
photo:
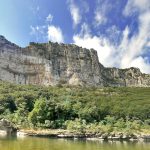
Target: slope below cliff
[(53, 64)]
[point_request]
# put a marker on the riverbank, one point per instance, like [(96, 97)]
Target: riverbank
[(60, 133)]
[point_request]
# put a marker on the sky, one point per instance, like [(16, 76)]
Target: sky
[(118, 29)]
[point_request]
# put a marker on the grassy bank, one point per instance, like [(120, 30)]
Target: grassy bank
[(77, 109)]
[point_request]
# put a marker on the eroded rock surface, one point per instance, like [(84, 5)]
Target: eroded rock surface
[(53, 63)]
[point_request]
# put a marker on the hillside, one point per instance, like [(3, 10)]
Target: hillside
[(118, 108)]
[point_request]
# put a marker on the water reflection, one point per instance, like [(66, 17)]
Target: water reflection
[(29, 143)]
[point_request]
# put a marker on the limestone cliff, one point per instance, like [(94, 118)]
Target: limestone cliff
[(53, 63)]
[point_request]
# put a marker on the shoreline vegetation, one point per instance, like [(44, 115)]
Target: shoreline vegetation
[(108, 113)]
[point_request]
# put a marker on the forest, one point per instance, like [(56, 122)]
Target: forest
[(79, 109)]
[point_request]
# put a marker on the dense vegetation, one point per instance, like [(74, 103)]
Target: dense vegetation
[(76, 108)]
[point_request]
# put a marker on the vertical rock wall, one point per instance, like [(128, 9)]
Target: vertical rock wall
[(53, 63)]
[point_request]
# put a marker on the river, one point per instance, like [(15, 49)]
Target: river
[(34, 143)]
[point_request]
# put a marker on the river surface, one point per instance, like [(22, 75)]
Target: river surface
[(34, 143)]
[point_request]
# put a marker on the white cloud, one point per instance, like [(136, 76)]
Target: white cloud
[(38, 32), (102, 45), (44, 32), (136, 5), (142, 63), (75, 12), (130, 51), (35, 29), (85, 30), (55, 34), (126, 54), (49, 18), (114, 34), (100, 14), (133, 48), (148, 44), (100, 18)]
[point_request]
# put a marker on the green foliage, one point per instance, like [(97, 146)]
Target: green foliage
[(43, 111), (76, 108), (77, 125)]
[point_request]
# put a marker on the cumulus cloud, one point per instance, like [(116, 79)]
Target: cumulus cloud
[(134, 48), (75, 12), (142, 63), (44, 32), (130, 51), (101, 44), (49, 18), (47, 32), (55, 34)]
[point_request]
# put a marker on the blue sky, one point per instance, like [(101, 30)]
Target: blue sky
[(118, 29)]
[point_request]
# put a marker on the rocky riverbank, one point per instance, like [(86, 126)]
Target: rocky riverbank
[(88, 136)]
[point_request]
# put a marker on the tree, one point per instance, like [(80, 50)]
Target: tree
[(43, 110)]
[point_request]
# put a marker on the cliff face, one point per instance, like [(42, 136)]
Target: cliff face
[(52, 64), (130, 77)]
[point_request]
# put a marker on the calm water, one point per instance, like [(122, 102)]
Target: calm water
[(29, 143)]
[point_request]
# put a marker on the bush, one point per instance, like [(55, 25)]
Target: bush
[(96, 109), (77, 125)]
